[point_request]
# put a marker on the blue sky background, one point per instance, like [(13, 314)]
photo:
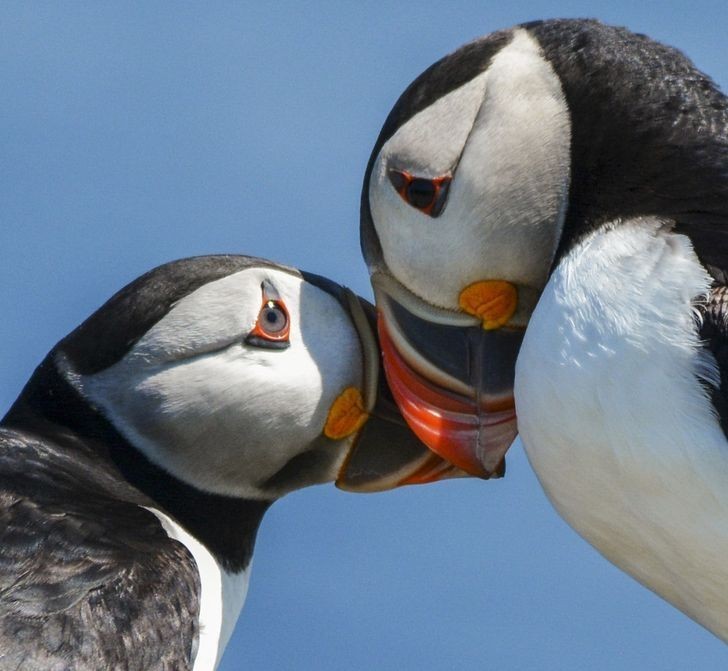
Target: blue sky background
[(139, 132)]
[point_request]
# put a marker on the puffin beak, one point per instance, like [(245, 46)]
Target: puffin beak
[(451, 373), (386, 453)]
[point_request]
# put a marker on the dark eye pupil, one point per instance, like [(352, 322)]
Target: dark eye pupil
[(273, 319), (427, 195), (421, 192)]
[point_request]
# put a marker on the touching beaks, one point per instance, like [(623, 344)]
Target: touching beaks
[(386, 452)]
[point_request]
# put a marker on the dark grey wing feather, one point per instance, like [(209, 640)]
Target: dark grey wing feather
[(87, 581), (714, 333)]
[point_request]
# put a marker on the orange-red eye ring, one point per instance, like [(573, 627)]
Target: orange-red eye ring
[(428, 195), (263, 326), (263, 334)]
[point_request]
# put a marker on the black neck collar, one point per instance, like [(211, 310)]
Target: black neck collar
[(227, 526)]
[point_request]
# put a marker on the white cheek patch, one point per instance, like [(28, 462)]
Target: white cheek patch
[(505, 207), (208, 319), (229, 418)]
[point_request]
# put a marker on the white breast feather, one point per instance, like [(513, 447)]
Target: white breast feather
[(222, 596), (617, 423)]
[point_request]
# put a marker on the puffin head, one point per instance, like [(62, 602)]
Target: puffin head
[(245, 378), (490, 166)]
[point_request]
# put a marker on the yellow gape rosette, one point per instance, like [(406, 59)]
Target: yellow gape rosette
[(492, 301), (346, 415)]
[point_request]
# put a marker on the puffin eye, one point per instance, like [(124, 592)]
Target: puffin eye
[(272, 327), (424, 194), (273, 318)]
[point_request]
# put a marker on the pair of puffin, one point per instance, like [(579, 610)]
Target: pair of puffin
[(138, 461), (545, 220)]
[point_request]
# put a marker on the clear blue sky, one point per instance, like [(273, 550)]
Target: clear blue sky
[(138, 132)]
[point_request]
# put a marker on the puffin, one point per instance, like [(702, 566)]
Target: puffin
[(139, 459), (544, 216)]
